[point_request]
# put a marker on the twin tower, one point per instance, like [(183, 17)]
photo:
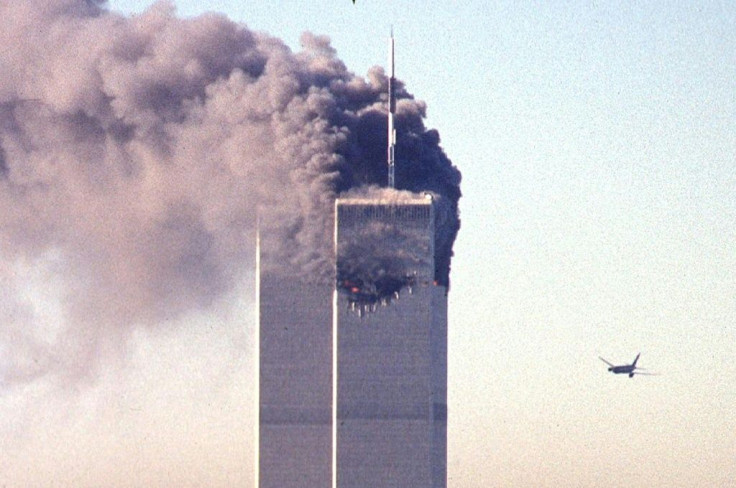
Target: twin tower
[(352, 369), (353, 372)]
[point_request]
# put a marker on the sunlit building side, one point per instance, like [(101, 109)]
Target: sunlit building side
[(390, 362)]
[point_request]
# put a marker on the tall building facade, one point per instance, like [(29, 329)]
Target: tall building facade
[(390, 353), (353, 376), (294, 374)]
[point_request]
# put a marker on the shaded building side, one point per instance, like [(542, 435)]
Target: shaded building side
[(295, 382)]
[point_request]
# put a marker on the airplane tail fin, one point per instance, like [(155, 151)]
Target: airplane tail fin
[(636, 359)]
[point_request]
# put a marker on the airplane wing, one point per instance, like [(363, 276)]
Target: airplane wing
[(605, 361)]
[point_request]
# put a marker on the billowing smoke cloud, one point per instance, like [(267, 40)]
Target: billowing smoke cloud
[(136, 153)]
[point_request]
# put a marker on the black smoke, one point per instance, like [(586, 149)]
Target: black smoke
[(153, 142)]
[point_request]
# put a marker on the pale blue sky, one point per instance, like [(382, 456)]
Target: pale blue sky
[(598, 155)]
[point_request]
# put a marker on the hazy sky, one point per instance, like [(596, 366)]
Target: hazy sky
[(598, 155)]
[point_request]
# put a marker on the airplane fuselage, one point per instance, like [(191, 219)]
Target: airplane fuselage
[(628, 369)]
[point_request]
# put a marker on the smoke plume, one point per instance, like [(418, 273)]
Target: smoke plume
[(136, 153)]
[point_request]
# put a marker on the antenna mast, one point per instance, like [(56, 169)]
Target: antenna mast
[(391, 110)]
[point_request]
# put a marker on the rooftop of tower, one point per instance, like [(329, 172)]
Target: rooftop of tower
[(403, 198)]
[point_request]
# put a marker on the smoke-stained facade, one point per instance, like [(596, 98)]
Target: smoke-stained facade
[(390, 361)]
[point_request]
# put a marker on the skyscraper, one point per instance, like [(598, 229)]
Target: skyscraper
[(390, 347), (353, 373), (294, 368), (353, 368)]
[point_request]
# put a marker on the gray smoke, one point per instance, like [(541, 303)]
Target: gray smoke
[(381, 254), (136, 153)]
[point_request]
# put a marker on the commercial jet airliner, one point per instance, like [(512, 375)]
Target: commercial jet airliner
[(630, 369)]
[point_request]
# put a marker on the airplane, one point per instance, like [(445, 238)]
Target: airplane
[(630, 369)]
